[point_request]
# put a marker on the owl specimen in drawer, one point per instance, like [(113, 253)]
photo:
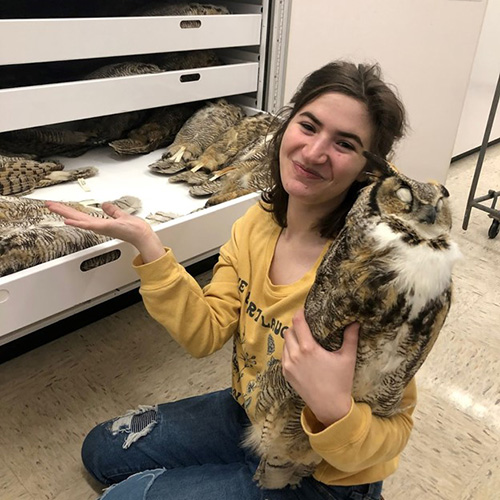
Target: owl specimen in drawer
[(30, 234), (233, 141), (247, 173), (158, 131), (389, 269), (20, 175), (197, 134), (179, 9)]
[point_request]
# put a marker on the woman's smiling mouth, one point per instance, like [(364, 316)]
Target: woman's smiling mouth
[(305, 172)]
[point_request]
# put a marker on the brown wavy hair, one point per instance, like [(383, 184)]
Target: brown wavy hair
[(387, 114)]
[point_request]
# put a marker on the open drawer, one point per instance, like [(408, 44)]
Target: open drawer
[(43, 294)]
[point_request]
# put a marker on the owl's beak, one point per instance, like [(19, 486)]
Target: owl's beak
[(427, 214)]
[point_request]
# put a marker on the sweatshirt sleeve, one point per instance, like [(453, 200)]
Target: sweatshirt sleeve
[(200, 320), (361, 440)]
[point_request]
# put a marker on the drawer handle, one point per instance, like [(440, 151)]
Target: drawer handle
[(193, 77), (100, 260), (4, 296), (190, 24)]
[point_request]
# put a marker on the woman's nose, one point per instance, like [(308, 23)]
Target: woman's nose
[(315, 151)]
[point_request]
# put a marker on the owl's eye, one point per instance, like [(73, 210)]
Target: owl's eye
[(439, 204), (404, 194)]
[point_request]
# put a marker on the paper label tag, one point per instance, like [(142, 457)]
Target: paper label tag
[(83, 185)]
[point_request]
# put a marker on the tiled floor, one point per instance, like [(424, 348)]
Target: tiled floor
[(50, 397)]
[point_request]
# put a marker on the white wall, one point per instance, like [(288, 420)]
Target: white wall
[(425, 47), (482, 84)]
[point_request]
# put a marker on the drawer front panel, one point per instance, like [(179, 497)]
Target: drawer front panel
[(42, 40), (45, 104)]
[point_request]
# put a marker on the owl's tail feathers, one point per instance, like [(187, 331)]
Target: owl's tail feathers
[(168, 166), (217, 198), (192, 178), (142, 140), (207, 188), (131, 146), (60, 176), (272, 473)]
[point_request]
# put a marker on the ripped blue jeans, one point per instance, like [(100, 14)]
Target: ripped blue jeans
[(190, 450)]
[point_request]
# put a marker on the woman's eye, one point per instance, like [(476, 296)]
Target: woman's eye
[(307, 126), (345, 145)]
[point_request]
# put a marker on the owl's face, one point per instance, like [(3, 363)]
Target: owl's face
[(419, 203)]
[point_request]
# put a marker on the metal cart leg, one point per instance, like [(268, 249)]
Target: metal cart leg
[(482, 152)]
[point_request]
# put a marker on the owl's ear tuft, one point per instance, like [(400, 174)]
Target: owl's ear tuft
[(379, 167)]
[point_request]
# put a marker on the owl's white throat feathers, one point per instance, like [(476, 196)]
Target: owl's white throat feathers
[(420, 269)]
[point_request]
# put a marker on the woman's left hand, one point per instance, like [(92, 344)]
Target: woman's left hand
[(323, 379)]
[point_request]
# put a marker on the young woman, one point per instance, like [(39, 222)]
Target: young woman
[(191, 449)]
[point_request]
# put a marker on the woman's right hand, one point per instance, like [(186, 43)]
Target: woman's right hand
[(120, 225)]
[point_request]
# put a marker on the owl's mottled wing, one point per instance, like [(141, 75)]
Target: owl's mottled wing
[(232, 142), (197, 133), (30, 234), (180, 9), (158, 130), (47, 141)]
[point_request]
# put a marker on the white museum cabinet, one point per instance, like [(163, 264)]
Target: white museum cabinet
[(267, 48)]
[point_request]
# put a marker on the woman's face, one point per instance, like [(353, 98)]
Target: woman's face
[(321, 150)]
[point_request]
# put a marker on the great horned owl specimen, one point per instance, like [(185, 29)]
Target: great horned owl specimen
[(157, 131), (199, 131), (233, 141), (30, 234), (180, 9), (249, 172), (20, 175), (390, 270), (46, 141)]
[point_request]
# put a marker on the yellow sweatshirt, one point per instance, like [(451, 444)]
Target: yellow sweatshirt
[(242, 303)]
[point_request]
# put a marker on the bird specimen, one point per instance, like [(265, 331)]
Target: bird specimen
[(191, 178), (179, 9), (247, 173), (233, 141), (199, 131), (175, 61), (30, 234), (158, 130), (390, 270), (47, 141), (125, 68), (20, 175)]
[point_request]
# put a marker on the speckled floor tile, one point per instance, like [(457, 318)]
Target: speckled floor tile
[(486, 482), (10, 486), (446, 450)]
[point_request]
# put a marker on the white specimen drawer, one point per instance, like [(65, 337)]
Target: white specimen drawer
[(41, 40), (25, 107), (40, 295)]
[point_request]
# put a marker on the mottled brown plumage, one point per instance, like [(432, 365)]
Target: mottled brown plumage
[(390, 270), (46, 141), (21, 175), (30, 234), (233, 142), (199, 131), (179, 9), (158, 131)]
